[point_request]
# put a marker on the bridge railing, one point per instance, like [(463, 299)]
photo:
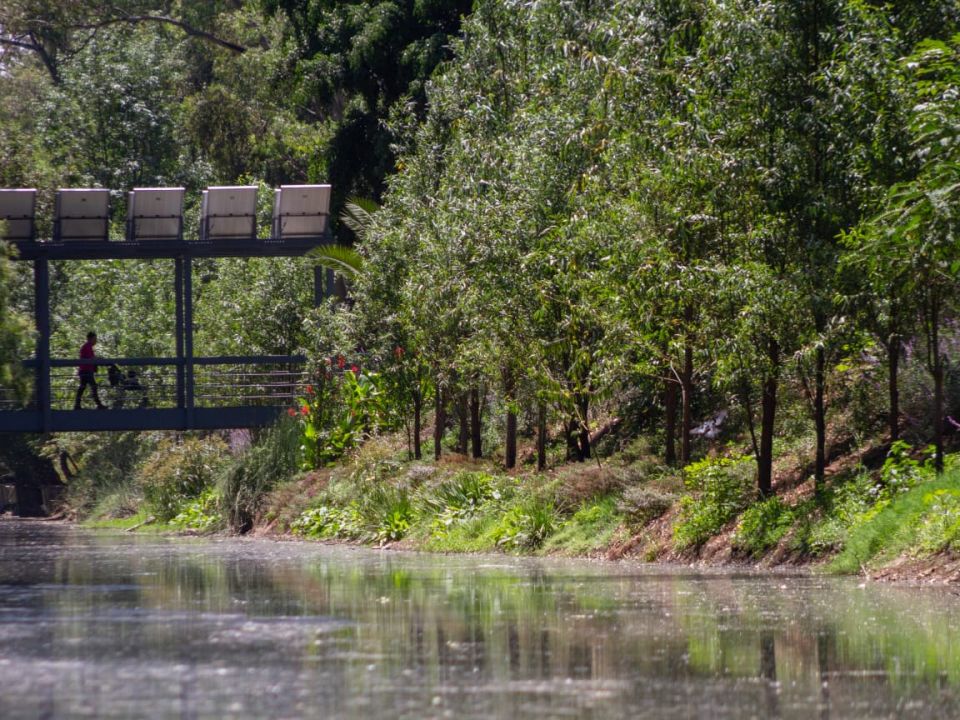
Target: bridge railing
[(169, 382), (233, 382)]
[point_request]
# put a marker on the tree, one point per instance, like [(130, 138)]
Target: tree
[(912, 244)]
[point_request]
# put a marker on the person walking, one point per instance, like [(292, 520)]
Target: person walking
[(88, 373)]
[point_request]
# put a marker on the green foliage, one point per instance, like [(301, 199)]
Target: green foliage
[(382, 513), (14, 332), (719, 490), (341, 408), (525, 525), (923, 520), (589, 529), (641, 505), (180, 472), (245, 482), (201, 514), (763, 525)]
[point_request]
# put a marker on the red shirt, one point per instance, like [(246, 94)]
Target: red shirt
[(86, 353)]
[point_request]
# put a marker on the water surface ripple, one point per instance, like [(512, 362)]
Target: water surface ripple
[(112, 625)]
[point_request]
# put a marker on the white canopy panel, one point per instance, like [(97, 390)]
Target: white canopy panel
[(81, 214), (301, 210), (17, 211), (228, 212), (155, 213)]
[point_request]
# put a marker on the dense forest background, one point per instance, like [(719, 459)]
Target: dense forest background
[(708, 224)]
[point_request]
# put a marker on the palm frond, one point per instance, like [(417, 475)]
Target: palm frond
[(358, 214), (339, 258)]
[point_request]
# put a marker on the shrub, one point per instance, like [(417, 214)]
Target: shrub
[(719, 489), (179, 472), (762, 526), (921, 521), (202, 514), (245, 483), (588, 529), (525, 525), (642, 505)]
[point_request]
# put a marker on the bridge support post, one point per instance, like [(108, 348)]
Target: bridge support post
[(188, 337), (41, 309), (178, 296)]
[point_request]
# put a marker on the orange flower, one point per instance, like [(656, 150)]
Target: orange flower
[(305, 410)]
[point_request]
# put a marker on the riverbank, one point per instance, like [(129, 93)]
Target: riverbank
[(893, 522)]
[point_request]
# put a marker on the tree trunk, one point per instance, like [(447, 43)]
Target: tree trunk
[(937, 369), (670, 421), (463, 438), (476, 437), (440, 420), (686, 387), (541, 437), (583, 408), (893, 386), (768, 417), (571, 431), (417, 408), (820, 418), (510, 452)]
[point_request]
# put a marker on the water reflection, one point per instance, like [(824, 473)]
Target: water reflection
[(96, 625)]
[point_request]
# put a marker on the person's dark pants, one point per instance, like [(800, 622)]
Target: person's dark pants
[(87, 378)]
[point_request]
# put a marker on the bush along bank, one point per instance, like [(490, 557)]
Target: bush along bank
[(631, 505), (862, 521)]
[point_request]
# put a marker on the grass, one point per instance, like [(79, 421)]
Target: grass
[(589, 530), (922, 521)]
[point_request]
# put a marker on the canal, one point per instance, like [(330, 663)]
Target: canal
[(114, 625)]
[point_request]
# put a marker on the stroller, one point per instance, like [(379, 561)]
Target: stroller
[(126, 388)]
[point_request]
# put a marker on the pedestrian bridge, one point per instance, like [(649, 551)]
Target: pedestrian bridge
[(182, 391)]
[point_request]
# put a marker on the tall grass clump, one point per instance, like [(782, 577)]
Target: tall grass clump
[(179, 472), (245, 483)]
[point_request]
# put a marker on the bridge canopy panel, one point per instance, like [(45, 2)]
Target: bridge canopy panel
[(17, 213), (301, 211), (228, 212), (81, 214), (155, 214)]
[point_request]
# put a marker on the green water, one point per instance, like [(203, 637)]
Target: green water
[(121, 626)]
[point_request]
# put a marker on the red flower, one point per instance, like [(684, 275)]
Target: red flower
[(354, 369), (341, 361), (309, 389), (398, 352), (291, 412), (305, 410)]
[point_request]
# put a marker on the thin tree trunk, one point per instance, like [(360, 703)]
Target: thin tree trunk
[(937, 368), (769, 413), (686, 387), (583, 408), (510, 452), (820, 418), (476, 435), (541, 437), (893, 386), (417, 408), (670, 421), (571, 428), (510, 444), (463, 439), (440, 420)]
